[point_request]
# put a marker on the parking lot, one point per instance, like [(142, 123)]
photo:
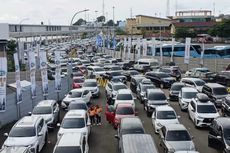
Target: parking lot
[(102, 138)]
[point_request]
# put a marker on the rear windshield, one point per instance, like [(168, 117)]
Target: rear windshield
[(157, 96), (42, 110), (178, 135), (75, 94), (166, 115), (73, 123), (125, 111), (78, 80), (177, 87), (189, 95), (118, 87), (199, 83), (90, 84), (124, 97), (77, 106), (220, 91)]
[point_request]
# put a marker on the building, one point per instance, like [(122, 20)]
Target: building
[(148, 26), (199, 21)]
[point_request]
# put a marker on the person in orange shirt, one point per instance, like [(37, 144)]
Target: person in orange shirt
[(98, 114), (92, 113)]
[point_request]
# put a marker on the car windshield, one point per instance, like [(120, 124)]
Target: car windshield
[(116, 73), (220, 91), (68, 149), (73, 123), (115, 68), (22, 132), (144, 88), (157, 96), (98, 69), (77, 106), (166, 115), (189, 95), (203, 70), (206, 109), (118, 87), (227, 133), (163, 75), (199, 83), (90, 84), (78, 80), (134, 73), (177, 87), (178, 135), (42, 110), (125, 111), (75, 94), (124, 97)]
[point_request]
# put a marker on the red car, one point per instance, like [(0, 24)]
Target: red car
[(114, 116), (83, 69), (77, 82)]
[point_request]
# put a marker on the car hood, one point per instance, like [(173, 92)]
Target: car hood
[(20, 141), (119, 77), (72, 130), (181, 145), (158, 102), (207, 115), (186, 100), (124, 101), (72, 99), (45, 116), (165, 122), (119, 117), (90, 88)]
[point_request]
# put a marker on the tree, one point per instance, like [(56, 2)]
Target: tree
[(80, 22), (185, 32), (221, 29), (119, 31), (11, 49), (110, 23), (101, 19)]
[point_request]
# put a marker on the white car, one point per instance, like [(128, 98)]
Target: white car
[(202, 111), (91, 85), (124, 96), (112, 88), (77, 94), (164, 115), (95, 71), (72, 142), (75, 121), (29, 132), (185, 97), (194, 82), (49, 110)]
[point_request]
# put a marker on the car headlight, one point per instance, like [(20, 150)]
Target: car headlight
[(200, 118)]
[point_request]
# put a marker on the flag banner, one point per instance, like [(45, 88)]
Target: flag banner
[(145, 47), (125, 43), (57, 72), (114, 43), (17, 79), (21, 51), (43, 68), (32, 66), (202, 55), (3, 73), (161, 54), (187, 50), (154, 46), (138, 48), (129, 48), (172, 53)]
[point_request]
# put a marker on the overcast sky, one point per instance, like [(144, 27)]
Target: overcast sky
[(61, 11)]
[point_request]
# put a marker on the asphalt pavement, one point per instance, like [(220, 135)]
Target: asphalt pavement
[(102, 140)]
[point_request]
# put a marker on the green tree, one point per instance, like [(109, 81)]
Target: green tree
[(119, 31), (185, 32), (101, 19), (110, 23), (11, 49), (80, 22), (221, 29)]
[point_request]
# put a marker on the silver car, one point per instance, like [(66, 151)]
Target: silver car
[(175, 137)]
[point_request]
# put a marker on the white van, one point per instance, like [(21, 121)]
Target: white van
[(145, 63)]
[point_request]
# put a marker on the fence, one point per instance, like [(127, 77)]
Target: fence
[(11, 113)]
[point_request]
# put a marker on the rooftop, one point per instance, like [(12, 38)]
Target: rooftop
[(67, 139)]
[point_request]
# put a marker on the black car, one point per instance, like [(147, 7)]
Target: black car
[(219, 134), (174, 90), (160, 79), (173, 71), (223, 78), (134, 82), (130, 73), (112, 76), (226, 106)]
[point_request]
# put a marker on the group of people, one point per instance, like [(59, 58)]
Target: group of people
[(95, 115)]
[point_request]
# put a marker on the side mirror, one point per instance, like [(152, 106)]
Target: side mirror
[(192, 109), (178, 117), (6, 134), (117, 137), (88, 124), (58, 124), (219, 137), (40, 134), (134, 98), (192, 137), (30, 113)]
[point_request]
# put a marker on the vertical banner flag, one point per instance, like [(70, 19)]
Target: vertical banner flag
[(21, 51), (17, 79), (172, 53), (154, 46), (114, 43), (202, 55), (43, 68), (161, 54), (129, 48), (125, 43), (57, 71), (138, 48), (32, 66), (145, 46), (3, 73), (187, 50)]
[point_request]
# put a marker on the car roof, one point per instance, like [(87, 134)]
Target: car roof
[(224, 121), (178, 83), (46, 103), (67, 139), (93, 67), (157, 90), (78, 90), (124, 91), (90, 80), (117, 83), (28, 121), (214, 85), (164, 108), (192, 79), (120, 105), (75, 114), (188, 89), (139, 77), (129, 122), (175, 127)]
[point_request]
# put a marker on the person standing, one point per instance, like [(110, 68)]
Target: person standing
[(92, 113), (98, 114)]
